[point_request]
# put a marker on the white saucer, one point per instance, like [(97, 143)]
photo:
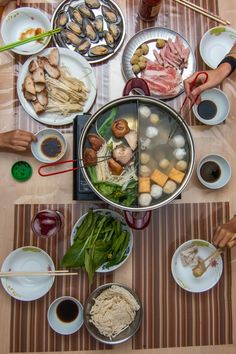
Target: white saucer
[(183, 275), (28, 259)]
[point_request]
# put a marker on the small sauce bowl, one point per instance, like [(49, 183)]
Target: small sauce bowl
[(50, 145), (221, 102)]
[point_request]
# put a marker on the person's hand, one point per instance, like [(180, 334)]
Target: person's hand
[(16, 140), (215, 77), (225, 233)]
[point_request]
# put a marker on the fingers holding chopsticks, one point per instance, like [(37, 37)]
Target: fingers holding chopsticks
[(225, 235)]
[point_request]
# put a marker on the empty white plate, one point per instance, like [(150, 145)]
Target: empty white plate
[(215, 44), (28, 259)]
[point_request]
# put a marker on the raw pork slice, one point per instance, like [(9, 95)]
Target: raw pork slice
[(162, 81)]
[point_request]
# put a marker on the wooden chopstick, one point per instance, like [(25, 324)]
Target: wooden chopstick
[(30, 39), (202, 11), (29, 274)]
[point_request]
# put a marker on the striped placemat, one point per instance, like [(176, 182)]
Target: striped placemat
[(172, 15), (30, 331), (174, 317)]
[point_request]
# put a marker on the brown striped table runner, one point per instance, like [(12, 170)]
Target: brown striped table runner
[(30, 331), (173, 15), (172, 316)]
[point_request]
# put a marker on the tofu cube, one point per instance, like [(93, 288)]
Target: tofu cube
[(159, 177), (176, 175), (144, 185)]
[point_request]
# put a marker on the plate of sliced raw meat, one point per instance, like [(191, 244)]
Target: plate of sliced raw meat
[(162, 57)]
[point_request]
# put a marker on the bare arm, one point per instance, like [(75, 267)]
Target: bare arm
[(215, 77)]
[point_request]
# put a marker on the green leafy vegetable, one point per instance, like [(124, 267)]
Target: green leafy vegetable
[(99, 240), (115, 193), (105, 128)]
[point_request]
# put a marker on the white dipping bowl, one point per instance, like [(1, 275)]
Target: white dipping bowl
[(225, 171), (59, 326), (215, 44), (42, 135), (222, 103), (20, 20)]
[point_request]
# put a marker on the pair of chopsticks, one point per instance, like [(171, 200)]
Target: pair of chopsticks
[(202, 11), (33, 274), (30, 39)]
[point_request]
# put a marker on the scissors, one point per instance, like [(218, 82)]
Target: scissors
[(192, 84)]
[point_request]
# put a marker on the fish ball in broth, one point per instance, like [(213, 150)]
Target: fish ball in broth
[(154, 118), (169, 187), (144, 158), (144, 199), (181, 165), (156, 191), (151, 132), (178, 141), (164, 163), (179, 153), (144, 171)]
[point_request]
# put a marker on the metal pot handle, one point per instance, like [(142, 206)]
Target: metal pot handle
[(136, 83), (135, 222)]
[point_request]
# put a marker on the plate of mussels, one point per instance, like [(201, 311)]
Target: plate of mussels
[(93, 28)]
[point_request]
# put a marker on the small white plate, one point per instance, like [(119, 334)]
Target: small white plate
[(28, 259), (79, 68), (62, 327), (124, 226), (222, 103), (41, 136), (216, 43), (225, 171), (183, 275), (21, 20)]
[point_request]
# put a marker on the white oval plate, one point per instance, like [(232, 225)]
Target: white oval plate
[(215, 44), (79, 68), (183, 275), (115, 215), (27, 259), (149, 36), (20, 20)]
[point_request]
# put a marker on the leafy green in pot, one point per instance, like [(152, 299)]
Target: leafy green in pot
[(99, 240)]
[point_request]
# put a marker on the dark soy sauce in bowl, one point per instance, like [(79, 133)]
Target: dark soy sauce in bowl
[(67, 311), (210, 171), (51, 147), (207, 109)]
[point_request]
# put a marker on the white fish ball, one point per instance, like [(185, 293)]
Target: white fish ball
[(156, 191), (179, 153), (151, 132), (144, 111), (144, 199), (144, 158), (181, 165), (144, 171), (154, 118), (145, 143), (164, 163), (169, 187), (178, 141)]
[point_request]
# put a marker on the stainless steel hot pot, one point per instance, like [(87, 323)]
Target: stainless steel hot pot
[(133, 214)]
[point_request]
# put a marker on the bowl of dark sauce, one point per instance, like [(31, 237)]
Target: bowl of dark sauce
[(214, 171), (50, 146), (65, 315), (213, 108)]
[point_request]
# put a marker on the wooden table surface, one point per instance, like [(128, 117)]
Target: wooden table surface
[(217, 139)]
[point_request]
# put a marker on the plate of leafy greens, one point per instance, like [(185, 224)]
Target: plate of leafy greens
[(101, 241)]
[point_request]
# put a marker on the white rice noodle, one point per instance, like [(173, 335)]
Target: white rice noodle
[(113, 311)]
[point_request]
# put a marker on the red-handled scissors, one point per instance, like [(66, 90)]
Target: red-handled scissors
[(192, 85)]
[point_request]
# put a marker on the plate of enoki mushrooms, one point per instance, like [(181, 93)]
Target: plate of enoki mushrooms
[(56, 85)]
